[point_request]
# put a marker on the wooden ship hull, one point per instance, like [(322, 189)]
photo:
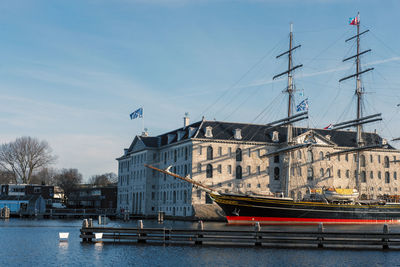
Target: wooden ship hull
[(269, 210)]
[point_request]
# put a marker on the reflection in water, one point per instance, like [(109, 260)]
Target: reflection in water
[(98, 245), (63, 246)]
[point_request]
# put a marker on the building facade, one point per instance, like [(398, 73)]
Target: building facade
[(236, 158)]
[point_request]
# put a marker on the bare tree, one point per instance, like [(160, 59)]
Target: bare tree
[(45, 176), (24, 156), (103, 179), (68, 179), (6, 177)]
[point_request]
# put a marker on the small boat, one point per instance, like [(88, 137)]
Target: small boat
[(333, 194)]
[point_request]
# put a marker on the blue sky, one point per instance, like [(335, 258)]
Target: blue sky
[(72, 71)]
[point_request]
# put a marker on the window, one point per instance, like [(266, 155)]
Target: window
[(209, 153), (386, 162), (379, 175), (238, 172), (371, 158), (363, 177), (387, 177), (321, 155), (219, 168), (395, 175), (299, 154), (354, 157), (328, 172), (371, 175), (186, 153), (198, 194), (200, 150), (258, 170), (338, 173), (230, 169), (379, 158), (362, 161), (328, 155), (347, 174), (346, 157), (175, 155), (248, 170), (249, 152), (209, 171), (276, 159), (199, 167), (299, 171), (309, 156), (321, 171), (310, 174), (276, 173), (338, 157), (238, 154), (230, 151)]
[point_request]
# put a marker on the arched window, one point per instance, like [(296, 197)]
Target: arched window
[(276, 159), (387, 177), (363, 177), (386, 162), (310, 156), (209, 153), (321, 172), (379, 175), (238, 154), (321, 155), (371, 175), (362, 161), (238, 172), (310, 174), (276, 173), (209, 171)]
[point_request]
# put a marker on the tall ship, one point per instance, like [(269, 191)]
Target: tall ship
[(328, 205)]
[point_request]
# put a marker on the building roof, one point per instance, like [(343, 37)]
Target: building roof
[(224, 131)]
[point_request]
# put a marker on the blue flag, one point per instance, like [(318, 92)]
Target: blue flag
[(303, 106), (137, 114)]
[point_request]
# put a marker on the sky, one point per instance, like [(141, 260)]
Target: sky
[(72, 71)]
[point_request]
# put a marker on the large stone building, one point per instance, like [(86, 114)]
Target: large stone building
[(230, 157)]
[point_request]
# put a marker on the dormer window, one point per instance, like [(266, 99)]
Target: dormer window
[(181, 134), (237, 134), (192, 131), (209, 132), (171, 137), (275, 136)]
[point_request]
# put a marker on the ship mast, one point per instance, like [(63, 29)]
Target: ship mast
[(359, 93), (289, 90)]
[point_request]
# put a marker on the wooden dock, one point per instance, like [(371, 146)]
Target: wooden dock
[(257, 237)]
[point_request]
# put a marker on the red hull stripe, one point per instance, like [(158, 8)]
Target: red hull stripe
[(283, 220)]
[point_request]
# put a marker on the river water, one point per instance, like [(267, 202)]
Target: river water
[(30, 242)]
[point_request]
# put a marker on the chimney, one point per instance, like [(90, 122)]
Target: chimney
[(145, 132), (186, 120)]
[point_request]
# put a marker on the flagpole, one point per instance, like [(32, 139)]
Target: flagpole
[(142, 119)]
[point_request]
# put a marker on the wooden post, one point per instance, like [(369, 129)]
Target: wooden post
[(141, 236), (200, 227), (320, 237), (385, 240), (257, 229)]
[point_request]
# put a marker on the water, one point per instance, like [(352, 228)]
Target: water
[(25, 242)]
